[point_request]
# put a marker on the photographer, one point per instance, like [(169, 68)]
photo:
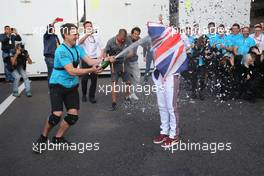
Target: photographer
[(8, 39), (198, 68), (248, 84), (19, 59)]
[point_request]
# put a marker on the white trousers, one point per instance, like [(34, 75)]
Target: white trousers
[(167, 96)]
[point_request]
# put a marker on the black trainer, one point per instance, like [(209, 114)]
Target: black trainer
[(42, 140)]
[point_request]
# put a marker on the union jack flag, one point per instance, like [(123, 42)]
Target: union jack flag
[(168, 49)]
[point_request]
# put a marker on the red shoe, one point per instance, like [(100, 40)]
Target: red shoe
[(160, 139), (170, 142)]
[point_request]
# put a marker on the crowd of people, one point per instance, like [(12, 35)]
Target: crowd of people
[(125, 66), (225, 64), (229, 66), (16, 57)]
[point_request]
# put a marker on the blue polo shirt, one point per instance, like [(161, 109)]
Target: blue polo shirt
[(222, 40), (234, 38), (211, 38), (244, 44), (64, 57)]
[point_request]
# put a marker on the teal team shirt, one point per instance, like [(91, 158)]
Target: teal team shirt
[(224, 40), (211, 38), (234, 38), (244, 44), (192, 40), (64, 57)]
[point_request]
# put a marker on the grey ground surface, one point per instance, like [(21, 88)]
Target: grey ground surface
[(125, 138), (5, 89)]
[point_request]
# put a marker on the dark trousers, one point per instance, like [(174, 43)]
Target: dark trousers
[(198, 79), (248, 89), (7, 66), (237, 76), (224, 79), (84, 82), (49, 62)]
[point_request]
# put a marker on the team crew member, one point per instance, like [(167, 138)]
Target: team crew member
[(221, 41), (243, 45), (64, 84), (235, 34), (211, 33)]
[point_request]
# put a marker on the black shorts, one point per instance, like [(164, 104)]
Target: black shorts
[(60, 95)]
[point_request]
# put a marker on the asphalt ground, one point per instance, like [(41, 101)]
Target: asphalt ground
[(120, 142)]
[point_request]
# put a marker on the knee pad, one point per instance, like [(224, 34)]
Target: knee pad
[(54, 120), (71, 119)]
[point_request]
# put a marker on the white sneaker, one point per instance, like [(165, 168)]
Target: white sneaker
[(133, 96)]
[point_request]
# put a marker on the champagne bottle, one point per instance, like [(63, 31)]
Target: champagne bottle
[(104, 64)]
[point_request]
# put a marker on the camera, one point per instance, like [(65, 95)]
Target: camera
[(95, 31), (21, 45), (92, 31)]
